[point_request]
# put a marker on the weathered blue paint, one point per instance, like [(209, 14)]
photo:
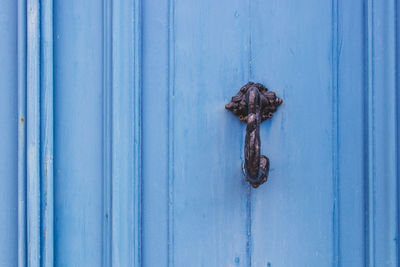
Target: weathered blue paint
[(78, 124), (207, 64), (36, 107), (382, 197), (8, 134), (47, 134), (107, 134), (155, 182), (350, 83), (125, 134), (33, 133), (21, 58), (127, 99), (301, 138)]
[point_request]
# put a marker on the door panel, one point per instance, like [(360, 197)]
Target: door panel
[(210, 205), (193, 146), (78, 53), (9, 134), (155, 134), (350, 123), (293, 214)]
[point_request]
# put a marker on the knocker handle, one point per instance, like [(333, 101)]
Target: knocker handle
[(254, 104)]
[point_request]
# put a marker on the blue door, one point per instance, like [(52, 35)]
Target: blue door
[(117, 150)]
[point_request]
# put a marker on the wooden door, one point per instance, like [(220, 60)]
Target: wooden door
[(116, 148)]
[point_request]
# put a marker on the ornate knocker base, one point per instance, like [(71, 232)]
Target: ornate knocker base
[(254, 104)]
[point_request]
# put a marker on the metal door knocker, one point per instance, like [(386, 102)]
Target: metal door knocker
[(254, 104)]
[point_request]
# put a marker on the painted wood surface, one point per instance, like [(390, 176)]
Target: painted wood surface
[(9, 135), (78, 167), (116, 149)]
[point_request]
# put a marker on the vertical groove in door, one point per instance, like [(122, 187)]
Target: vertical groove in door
[(22, 246), (171, 87), (250, 73), (369, 169), (137, 83), (47, 137), (381, 160), (397, 70), (126, 133), (47, 126), (39, 134), (33, 132), (107, 84), (335, 128), (249, 245)]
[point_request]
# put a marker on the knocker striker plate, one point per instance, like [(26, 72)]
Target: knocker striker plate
[(254, 104)]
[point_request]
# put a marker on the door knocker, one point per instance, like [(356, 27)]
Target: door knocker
[(254, 104)]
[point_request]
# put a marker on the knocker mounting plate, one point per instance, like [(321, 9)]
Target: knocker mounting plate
[(254, 104)]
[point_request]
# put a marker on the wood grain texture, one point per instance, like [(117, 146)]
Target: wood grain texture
[(292, 55), (210, 194), (33, 133), (381, 111), (8, 134), (47, 134), (78, 121), (22, 189), (156, 144), (107, 133), (126, 134), (146, 159), (177, 75), (351, 99)]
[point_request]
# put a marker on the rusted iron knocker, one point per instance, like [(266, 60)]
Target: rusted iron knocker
[(254, 104)]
